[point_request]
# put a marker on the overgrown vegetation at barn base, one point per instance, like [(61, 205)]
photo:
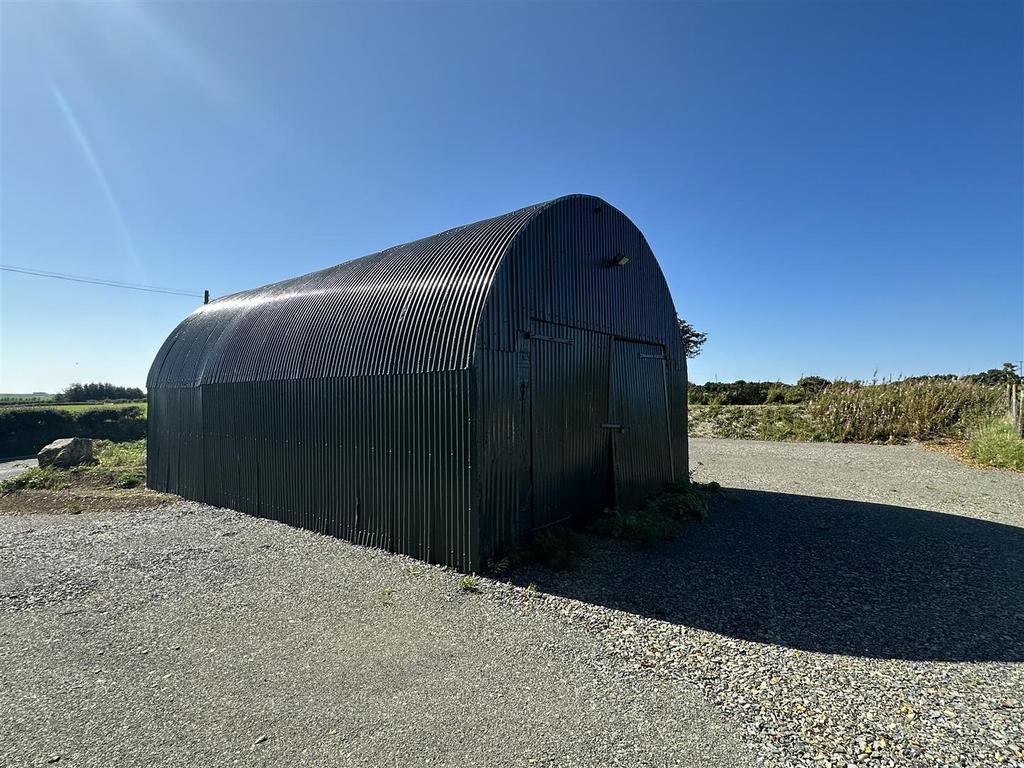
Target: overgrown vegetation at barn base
[(661, 519), (558, 548)]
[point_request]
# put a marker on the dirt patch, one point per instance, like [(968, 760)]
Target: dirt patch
[(77, 499)]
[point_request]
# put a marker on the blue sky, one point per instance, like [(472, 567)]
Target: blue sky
[(831, 188)]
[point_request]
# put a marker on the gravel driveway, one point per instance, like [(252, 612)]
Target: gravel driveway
[(13, 468), (841, 604)]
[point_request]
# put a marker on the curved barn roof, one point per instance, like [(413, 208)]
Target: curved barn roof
[(408, 309)]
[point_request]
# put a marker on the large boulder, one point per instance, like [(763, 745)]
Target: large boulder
[(67, 452)]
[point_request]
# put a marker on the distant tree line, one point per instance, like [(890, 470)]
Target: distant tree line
[(85, 393), (762, 392), (756, 392), (993, 376)]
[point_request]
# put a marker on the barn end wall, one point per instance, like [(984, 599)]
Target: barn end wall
[(384, 461), (557, 274)]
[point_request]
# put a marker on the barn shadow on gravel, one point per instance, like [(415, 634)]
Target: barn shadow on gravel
[(821, 574)]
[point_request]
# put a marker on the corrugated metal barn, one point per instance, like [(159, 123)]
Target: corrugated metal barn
[(441, 398)]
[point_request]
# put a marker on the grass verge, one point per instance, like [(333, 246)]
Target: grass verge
[(115, 482), (37, 478), (996, 444)]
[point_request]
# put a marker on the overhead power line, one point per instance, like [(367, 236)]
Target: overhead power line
[(101, 281)]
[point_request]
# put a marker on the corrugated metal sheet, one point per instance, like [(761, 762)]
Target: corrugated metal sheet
[(558, 280), (439, 398), (413, 308), (638, 422), (378, 460)]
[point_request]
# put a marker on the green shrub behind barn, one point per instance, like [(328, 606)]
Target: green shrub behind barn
[(23, 431)]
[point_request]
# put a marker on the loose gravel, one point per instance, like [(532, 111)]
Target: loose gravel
[(193, 636), (842, 605)]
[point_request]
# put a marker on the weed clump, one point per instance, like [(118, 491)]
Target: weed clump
[(661, 519), (130, 478), (469, 584), (996, 444), (557, 548), (130, 454), (644, 527)]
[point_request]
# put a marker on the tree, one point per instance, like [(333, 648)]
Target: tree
[(81, 393), (812, 384), (693, 340)]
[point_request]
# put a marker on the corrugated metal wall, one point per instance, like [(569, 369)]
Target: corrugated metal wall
[(379, 460), (558, 281), (388, 400), (341, 400), (641, 448)]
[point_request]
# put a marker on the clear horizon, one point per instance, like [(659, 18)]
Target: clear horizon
[(831, 189)]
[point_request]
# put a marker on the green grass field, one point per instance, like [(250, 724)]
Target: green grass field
[(72, 407)]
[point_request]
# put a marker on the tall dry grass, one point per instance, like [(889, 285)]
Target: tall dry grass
[(897, 411)]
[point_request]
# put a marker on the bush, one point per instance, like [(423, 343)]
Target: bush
[(643, 527), (812, 385), (682, 501), (996, 444), (661, 519), (785, 394), (732, 393), (23, 431), (746, 393), (739, 422), (897, 411)]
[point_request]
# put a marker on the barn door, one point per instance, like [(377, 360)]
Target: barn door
[(568, 403), (638, 420)]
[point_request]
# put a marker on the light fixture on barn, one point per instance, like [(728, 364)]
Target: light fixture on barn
[(620, 260)]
